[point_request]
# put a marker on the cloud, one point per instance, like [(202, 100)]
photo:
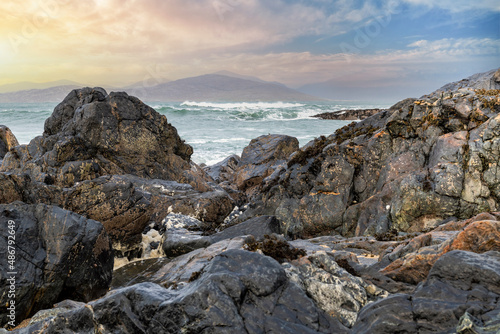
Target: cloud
[(455, 6), (451, 47)]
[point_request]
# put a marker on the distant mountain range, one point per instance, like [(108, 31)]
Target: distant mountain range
[(218, 87)]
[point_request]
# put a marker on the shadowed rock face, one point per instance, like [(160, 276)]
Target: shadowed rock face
[(59, 255), (91, 134)]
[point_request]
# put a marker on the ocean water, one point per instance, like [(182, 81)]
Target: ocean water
[(215, 130)]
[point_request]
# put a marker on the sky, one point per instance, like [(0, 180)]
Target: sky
[(392, 47)]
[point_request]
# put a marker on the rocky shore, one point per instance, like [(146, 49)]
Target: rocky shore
[(348, 115), (388, 225)]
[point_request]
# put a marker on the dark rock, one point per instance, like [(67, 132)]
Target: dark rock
[(224, 170), (91, 134), (348, 115), (238, 292), (181, 241), (59, 255), (257, 227), (261, 157), (113, 159)]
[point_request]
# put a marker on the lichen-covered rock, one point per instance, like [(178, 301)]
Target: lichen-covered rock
[(334, 290), (413, 267), (406, 168), (58, 255)]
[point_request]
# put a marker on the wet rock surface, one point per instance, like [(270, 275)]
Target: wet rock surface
[(229, 296), (57, 255)]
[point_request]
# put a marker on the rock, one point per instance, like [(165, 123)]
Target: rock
[(257, 227), (458, 284), (224, 170), (118, 200), (175, 272), (413, 265), (238, 292), (181, 241), (348, 115), (58, 255), (261, 157), (113, 159), (91, 134), (7, 141), (406, 168), (334, 290)]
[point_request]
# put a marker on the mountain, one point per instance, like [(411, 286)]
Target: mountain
[(247, 77), (18, 86), (210, 88), (52, 94), (221, 88)]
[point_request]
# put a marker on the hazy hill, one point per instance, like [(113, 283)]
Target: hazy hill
[(216, 87), (210, 87), (52, 94), (26, 85)]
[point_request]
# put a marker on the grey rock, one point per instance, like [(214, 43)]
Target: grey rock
[(59, 255), (261, 157), (257, 227), (238, 292)]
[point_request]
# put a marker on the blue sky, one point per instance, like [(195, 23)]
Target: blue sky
[(389, 49)]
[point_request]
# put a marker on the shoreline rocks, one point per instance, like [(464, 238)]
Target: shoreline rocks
[(394, 218), (348, 114)]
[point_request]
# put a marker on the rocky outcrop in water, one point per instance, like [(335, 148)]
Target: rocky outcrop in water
[(91, 134), (348, 115), (56, 255)]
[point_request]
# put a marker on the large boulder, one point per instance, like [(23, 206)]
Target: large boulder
[(55, 255), (406, 168), (113, 159), (237, 292), (91, 134)]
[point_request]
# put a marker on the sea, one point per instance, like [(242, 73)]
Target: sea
[(214, 130)]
